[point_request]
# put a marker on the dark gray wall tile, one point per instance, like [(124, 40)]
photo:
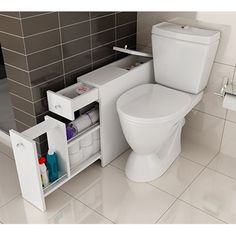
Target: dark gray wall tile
[(41, 106), (126, 30), (11, 13), (12, 42), (20, 90), (17, 75), (103, 51), (24, 117), (25, 14), (39, 24), (102, 23), (75, 31), (75, 47), (103, 62), (67, 18), (129, 41), (71, 77), (10, 25), (21, 127), (42, 41), (40, 91), (95, 14), (46, 73), (75, 62), (103, 38), (44, 57), (15, 59), (125, 17), (22, 104)]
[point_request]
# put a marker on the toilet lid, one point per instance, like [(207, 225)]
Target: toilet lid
[(153, 101)]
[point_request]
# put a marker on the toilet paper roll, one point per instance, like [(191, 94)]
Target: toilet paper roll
[(96, 146), (86, 141), (76, 159), (82, 123), (96, 135), (74, 149), (229, 102), (87, 151)]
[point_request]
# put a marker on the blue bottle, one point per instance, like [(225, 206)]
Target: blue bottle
[(52, 165)]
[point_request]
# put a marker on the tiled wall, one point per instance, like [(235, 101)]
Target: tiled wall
[(209, 127), (47, 50)]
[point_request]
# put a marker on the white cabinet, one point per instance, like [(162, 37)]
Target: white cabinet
[(104, 85)]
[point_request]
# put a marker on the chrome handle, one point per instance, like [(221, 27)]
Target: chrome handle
[(58, 107), (18, 145)]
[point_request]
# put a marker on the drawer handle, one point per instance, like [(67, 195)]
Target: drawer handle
[(18, 145), (58, 107)]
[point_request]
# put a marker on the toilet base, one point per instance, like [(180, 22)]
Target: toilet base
[(145, 168)]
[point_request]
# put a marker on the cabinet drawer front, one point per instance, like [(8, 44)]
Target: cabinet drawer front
[(60, 105), (65, 106)]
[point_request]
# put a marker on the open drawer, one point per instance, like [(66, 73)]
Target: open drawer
[(66, 101)]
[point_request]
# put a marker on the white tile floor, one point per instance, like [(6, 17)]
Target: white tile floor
[(189, 192)]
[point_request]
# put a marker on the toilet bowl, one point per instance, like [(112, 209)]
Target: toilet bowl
[(152, 115), (151, 118)]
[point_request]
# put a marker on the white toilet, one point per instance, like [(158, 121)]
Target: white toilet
[(152, 115)]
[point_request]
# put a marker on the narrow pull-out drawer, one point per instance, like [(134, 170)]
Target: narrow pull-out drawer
[(66, 101)]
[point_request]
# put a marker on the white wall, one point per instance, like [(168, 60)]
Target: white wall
[(205, 125)]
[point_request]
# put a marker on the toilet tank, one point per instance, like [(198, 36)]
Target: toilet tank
[(183, 56)]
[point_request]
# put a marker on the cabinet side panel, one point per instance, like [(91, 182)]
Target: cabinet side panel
[(113, 142)]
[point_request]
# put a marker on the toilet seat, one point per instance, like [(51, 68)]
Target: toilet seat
[(155, 103)]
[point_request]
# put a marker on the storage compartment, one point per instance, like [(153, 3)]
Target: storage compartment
[(84, 147), (66, 101), (132, 62)]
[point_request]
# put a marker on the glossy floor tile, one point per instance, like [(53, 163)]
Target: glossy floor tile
[(123, 201), (187, 193), (182, 213), (224, 164), (120, 162), (9, 184), (201, 137), (61, 208), (215, 194), (196, 152), (177, 178)]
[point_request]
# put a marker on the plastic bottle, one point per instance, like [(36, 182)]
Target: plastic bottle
[(52, 165), (43, 171)]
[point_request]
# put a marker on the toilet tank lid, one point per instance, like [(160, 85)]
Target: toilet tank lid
[(186, 33)]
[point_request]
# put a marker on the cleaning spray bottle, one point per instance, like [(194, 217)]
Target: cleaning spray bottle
[(43, 171)]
